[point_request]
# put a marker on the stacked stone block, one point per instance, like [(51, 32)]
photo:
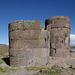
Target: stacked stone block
[(28, 44), (60, 35)]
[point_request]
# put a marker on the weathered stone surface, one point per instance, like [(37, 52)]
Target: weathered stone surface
[(60, 35), (30, 57), (16, 25), (20, 44), (59, 52), (58, 21), (28, 43), (32, 25), (48, 28), (29, 35), (44, 34), (72, 66), (25, 35), (14, 61), (25, 25)]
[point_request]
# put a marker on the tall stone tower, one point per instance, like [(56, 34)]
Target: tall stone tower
[(60, 35), (28, 44)]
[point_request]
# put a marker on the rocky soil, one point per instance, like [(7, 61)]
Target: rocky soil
[(55, 66)]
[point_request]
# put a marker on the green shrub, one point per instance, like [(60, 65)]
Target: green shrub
[(48, 36), (45, 39), (62, 67)]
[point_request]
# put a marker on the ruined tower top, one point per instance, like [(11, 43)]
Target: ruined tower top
[(58, 22), (25, 25)]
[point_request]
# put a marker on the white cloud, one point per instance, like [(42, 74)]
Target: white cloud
[(72, 39)]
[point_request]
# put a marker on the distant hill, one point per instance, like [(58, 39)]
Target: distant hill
[(4, 49), (72, 46)]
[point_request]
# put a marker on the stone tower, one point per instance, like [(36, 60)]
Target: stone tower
[(59, 35), (28, 43)]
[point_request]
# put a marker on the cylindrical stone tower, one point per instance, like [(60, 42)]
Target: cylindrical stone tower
[(60, 35), (27, 46)]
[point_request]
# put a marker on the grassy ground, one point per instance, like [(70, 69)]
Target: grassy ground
[(35, 68), (2, 70), (52, 71), (45, 71), (1, 61), (3, 49)]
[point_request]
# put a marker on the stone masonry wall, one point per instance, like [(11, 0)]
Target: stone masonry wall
[(60, 35), (28, 44), (31, 45)]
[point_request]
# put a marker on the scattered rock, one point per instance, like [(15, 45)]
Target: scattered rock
[(72, 66), (44, 70)]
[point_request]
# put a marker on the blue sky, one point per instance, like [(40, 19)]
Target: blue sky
[(11, 10)]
